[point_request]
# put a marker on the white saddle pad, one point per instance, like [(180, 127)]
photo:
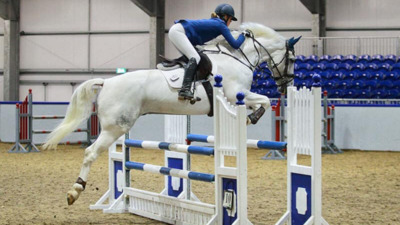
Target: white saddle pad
[(175, 77)]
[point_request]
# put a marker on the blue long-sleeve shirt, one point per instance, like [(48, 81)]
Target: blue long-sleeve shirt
[(204, 30)]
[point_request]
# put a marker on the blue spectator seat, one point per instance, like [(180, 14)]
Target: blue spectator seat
[(345, 84), (337, 75), (309, 75), (325, 59), (393, 93), (351, 93), (387, 84), (366, 94), (344, 67), (384, 67), (300, 58), (364, 59), (350, 59), (303, 67), (326, 75), (395, 67), (358, 67), (337, 59), (298, 74), (377, 59), (380, 93), (305, 83), (373, 84), (256, 75), (336, 93), (371, 68), (330, 84), (393, 75), (349, 75), (331, 67), (396, 83), (360, 84), (311, 59), (391, 59), (318, 67)]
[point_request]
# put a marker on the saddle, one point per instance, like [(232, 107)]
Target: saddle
[(203, 69), (203, 72)]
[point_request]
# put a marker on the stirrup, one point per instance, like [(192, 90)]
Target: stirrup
[(185, 95)]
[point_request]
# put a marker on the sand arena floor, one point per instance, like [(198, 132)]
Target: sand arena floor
[(358, 187)]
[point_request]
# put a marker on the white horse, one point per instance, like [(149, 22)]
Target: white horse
[(122, 99)]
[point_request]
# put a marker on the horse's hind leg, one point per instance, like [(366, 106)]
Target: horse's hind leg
[(103, 142)]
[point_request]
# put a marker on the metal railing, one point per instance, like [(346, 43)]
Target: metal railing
[(348, 45)]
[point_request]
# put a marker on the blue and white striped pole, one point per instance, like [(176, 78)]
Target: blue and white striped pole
[(199, 150), (250, 142), (170, 171)]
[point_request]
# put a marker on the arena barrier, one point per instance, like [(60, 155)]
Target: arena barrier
[(230, 182), (25, 131), (328, 134), (304, 183)]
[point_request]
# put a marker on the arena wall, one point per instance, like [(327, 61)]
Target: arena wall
[(364, 128)]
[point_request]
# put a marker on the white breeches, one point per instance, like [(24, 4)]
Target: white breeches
[(179, 39)]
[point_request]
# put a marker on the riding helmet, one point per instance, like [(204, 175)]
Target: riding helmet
[(227, 10)]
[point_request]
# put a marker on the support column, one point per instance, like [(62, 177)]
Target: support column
[(156, 10), (10, 13), (157, 37), (318, 11), (11, 60)]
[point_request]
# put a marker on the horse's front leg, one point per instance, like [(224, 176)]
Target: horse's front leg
[(92, 152), (258, 103)]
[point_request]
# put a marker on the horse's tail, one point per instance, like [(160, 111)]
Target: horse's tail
[(79, 109)]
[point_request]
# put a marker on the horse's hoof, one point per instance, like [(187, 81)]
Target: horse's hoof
[(70, 199), (248, 121)]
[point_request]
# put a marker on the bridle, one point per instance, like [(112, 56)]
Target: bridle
[(285, 78), (282, 80)]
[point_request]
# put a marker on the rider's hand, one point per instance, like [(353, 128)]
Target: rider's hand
[(246, 33)]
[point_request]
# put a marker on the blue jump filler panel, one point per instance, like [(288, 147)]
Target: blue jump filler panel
[(117, 170), (301, 198), (229, 185), (175, 163)]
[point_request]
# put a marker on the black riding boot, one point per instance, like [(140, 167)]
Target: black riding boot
[(185, 92)]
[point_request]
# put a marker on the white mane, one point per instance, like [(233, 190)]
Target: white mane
[(267, 36)]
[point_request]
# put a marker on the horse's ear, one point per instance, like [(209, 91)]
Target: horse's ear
[(292, 41)]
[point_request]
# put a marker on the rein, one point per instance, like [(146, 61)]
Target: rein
[(252, 67)]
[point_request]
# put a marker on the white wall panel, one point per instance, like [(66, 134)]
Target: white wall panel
[(54, 52), (112, 51), (1, 52), (54, 15), (117, 15), (278, 13), (1, 88), (362, 13), (192, 9)]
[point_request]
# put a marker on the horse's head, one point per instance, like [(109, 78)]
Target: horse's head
[(275, 50)]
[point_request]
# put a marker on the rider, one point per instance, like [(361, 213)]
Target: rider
[(185, 34)]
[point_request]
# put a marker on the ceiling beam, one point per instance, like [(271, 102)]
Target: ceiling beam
[(311, 5), (9, 9), (154, 8)]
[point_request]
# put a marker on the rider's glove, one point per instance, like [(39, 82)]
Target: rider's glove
[(246, 33)]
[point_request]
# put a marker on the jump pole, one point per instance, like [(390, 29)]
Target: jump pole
[(230, 182)]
